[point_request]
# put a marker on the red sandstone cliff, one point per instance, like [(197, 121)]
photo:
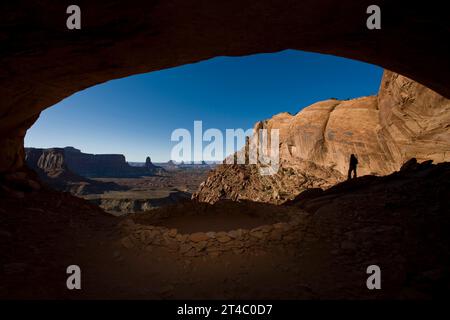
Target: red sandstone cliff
[(404, 120)]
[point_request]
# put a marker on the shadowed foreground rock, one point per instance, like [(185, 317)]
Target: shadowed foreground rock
[(399, 222)]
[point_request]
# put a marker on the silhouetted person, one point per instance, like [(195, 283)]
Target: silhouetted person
[(352, 166)]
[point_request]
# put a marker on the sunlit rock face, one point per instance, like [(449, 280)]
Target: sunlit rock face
[(42, 62), (403, 121), (328, 132), (414, 120)]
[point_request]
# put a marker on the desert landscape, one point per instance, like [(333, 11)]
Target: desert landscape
[(225, 232), (112, 183), (361, 182)]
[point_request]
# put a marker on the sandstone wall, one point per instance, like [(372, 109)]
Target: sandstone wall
[(327, 132), (405, 120), (414, 120)]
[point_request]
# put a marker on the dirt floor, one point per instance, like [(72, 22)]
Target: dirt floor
[(224, 217)]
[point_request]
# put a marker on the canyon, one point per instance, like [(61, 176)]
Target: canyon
[(304, 233), (405, 120), (110, 182), (326, 230)]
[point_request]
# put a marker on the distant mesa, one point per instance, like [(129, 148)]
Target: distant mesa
[(51, 167), (173, 165), (87, 165)]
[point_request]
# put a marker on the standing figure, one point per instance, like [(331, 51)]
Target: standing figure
[(352, 166)]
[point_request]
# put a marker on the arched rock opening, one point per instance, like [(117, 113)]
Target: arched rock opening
[(43, 62)]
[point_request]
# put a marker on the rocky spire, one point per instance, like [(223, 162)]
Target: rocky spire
[(148, 162)]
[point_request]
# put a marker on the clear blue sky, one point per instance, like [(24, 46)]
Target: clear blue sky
[(135, 116)]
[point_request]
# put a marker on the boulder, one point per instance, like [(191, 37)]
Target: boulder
[(409, 165), (198, 237), (127, 243)]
